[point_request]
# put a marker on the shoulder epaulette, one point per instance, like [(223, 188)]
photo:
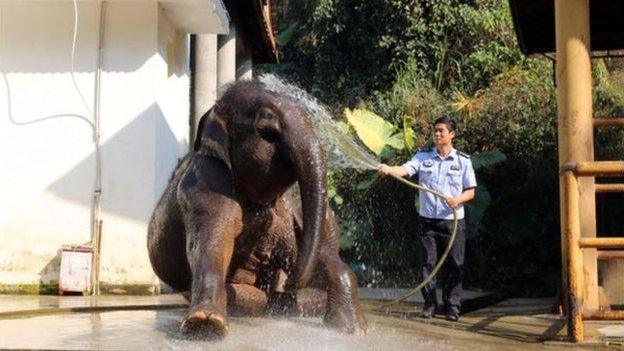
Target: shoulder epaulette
[(463, 154)]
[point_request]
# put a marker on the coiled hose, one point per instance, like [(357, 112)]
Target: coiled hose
[(446, 252)]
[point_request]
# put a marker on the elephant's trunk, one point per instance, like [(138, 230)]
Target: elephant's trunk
[(311, 172)]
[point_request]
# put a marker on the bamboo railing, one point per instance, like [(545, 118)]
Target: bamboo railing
[(575, 243)]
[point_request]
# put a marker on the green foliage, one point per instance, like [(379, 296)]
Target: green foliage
[(478, 206), (476, 210), (487, 159), (374, 131), (411, 61), (287, 35)]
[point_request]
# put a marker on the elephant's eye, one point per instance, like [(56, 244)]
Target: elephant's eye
[(268, 134), (267, 125)]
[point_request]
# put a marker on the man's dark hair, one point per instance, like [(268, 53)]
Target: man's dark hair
[(450, 123)]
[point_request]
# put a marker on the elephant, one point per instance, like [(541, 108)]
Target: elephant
[(228, 231)]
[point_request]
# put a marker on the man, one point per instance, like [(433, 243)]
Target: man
[(450, 173)]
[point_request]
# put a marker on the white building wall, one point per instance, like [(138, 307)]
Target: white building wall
[(131, 74), (47, 161), (40, 140), (173, 99)]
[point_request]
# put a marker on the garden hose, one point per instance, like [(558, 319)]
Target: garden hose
[(442, 258)]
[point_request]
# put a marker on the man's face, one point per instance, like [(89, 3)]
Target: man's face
[(441, 135)]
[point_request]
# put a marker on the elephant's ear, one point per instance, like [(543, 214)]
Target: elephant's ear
[(213, 138)]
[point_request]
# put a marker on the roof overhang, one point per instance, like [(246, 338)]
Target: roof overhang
[(534, 22), (256, 24), (197, 16)]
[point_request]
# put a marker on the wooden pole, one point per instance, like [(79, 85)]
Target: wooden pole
[(610, 255), (609, 188), (572, 234), (600, 168), (609, 122), (575, 122), (604, 315), (602, 243)]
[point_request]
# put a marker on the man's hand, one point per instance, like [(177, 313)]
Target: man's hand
[(383, 169), (452, 202), (465, 196)]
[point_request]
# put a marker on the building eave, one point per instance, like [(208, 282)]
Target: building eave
[(255, 22)]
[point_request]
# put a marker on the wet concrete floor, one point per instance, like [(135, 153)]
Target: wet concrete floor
[(74, 323)]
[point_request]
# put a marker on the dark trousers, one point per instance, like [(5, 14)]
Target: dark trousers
[(434, 238)]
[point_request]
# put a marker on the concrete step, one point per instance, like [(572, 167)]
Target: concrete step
[(471, 300)]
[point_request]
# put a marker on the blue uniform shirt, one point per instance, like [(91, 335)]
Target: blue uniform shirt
[(450, 176)]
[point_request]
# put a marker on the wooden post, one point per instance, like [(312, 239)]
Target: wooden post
[(572, 234), (575, 126)]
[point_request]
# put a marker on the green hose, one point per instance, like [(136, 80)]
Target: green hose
[(446, 252)]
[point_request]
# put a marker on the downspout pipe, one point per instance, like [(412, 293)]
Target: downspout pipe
[(96, 214)]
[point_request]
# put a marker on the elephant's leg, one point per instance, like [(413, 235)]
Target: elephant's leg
[(309, 301), (210, 243), (166, 237), (343, 310), (247, 300)]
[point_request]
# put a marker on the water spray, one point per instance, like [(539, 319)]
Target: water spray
[(343, 152)]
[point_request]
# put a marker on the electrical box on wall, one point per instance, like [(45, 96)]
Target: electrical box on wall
[(75, 273)]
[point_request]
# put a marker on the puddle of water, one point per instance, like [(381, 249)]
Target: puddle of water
[(158, 330), (613, 331)]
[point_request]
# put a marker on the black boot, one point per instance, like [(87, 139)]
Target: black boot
[(428, 310), (452, 314)]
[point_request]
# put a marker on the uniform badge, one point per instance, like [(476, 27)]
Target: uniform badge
[(455, 168), (428, 163)]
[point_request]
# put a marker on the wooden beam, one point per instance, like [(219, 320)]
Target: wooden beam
[(609, 122), (603, 315), (601, 243), (609, 188), (593, 169), (610, 255)]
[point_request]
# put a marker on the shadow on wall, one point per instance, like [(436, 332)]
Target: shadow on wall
[(49, 275), (610, 273), (147, 133), (125, 158)]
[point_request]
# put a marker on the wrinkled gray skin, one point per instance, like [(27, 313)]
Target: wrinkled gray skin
[(226, 228)]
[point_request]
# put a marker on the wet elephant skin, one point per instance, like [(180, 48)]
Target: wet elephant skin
[(227, 230)]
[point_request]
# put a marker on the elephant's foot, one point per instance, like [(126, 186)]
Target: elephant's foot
[(203, 323), (348, 320), (311, 302)]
